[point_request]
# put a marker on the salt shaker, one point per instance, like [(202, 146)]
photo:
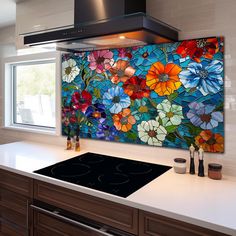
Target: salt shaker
[(200, 166), (192, 166)]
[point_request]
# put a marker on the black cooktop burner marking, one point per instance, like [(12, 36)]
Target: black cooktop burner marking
[(72, 171), (93, 159), (134, 168), (113, 178)]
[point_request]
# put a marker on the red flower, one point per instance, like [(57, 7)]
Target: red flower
[(81, 101), (136, 88), (198, 48)]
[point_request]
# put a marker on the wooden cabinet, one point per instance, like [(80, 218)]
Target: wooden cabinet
[(156, 225), (65, 212), (35, 15), (102, 211), (15, 196)]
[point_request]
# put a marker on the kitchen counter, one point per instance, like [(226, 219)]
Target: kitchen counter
[(189, 198)]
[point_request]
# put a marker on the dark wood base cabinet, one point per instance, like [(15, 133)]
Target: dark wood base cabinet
[(35, 208), (16, 192), (156, 225)]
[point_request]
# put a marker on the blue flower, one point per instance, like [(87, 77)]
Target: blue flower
[(147, 55), (107, 132), (203, 115), (206, 78), (115, 99)]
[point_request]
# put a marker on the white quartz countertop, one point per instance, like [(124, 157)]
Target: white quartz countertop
[(197, 200)]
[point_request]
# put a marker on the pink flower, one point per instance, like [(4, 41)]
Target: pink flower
[(100, 60)]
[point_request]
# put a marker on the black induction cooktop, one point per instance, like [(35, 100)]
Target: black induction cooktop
[(112, 175)]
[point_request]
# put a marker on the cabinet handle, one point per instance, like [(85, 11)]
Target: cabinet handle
[(56, 214)]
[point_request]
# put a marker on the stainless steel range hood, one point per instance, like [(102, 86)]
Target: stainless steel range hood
[(102, 24)]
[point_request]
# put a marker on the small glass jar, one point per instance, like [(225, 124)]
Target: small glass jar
[(214, 171), (180, 165)]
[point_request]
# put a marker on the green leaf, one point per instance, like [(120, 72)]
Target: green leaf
[(132, 135), (97, 93), (173, 96), (194, 130), (171, 137), (220, 107), (171, 128)]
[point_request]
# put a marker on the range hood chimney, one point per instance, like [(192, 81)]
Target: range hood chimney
[(102, 24)]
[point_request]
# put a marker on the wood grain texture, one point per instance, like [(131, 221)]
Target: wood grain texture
[(156, 225), (116, 215)]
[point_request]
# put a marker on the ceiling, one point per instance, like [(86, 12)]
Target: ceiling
[(7, 12)]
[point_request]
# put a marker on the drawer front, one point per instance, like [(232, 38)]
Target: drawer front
[(113, 214), (45, 225), (9, 229), (16, 183), (13, 201), (155, 225)]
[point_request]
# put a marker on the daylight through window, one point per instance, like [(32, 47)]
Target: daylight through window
[(34, 94)]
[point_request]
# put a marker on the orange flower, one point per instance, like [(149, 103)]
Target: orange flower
[(121, 71), (210, 142), (124, 120), (162, 79)]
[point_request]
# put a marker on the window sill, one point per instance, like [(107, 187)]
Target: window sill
[(29, 129)]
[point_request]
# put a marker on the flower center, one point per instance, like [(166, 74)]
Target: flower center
[(152, 133), (100, 60), (205, 117), (169, 114), (96, 114), (145, 55), (124, 120), (163, 77), (201, 43), (120, 73), (116, 99), (143, 109), (211, 141), (68, 70), (203, 74)]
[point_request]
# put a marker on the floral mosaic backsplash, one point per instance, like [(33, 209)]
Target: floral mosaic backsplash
[(167, 95)]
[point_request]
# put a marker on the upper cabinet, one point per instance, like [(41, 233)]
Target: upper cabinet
[(34, 15)]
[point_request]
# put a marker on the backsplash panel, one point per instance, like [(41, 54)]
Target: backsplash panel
[(167, 95)]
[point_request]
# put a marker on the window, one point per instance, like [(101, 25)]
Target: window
[(31, 91), (34, 94)]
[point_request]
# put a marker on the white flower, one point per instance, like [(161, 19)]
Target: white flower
[(170, 114), (69, 70), (152, 132)]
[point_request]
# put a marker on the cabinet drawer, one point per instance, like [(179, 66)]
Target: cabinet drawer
[(14, 202), (156, 225), (16, 183), (45, 225), (9, 229), (116, 215)]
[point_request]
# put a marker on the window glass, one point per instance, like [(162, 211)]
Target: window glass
[(34, 94)]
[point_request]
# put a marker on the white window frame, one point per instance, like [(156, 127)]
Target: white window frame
[(8, 119)]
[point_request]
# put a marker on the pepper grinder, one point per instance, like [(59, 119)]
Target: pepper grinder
[(192, 166), (69, 142), (200, 166)]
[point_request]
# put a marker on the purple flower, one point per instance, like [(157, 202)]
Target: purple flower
[(107, 132), (96, 112), (204, 115)]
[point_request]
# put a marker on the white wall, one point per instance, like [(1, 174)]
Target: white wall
[(195, 19)]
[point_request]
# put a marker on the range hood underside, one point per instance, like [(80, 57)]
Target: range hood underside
[(135, 30)]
